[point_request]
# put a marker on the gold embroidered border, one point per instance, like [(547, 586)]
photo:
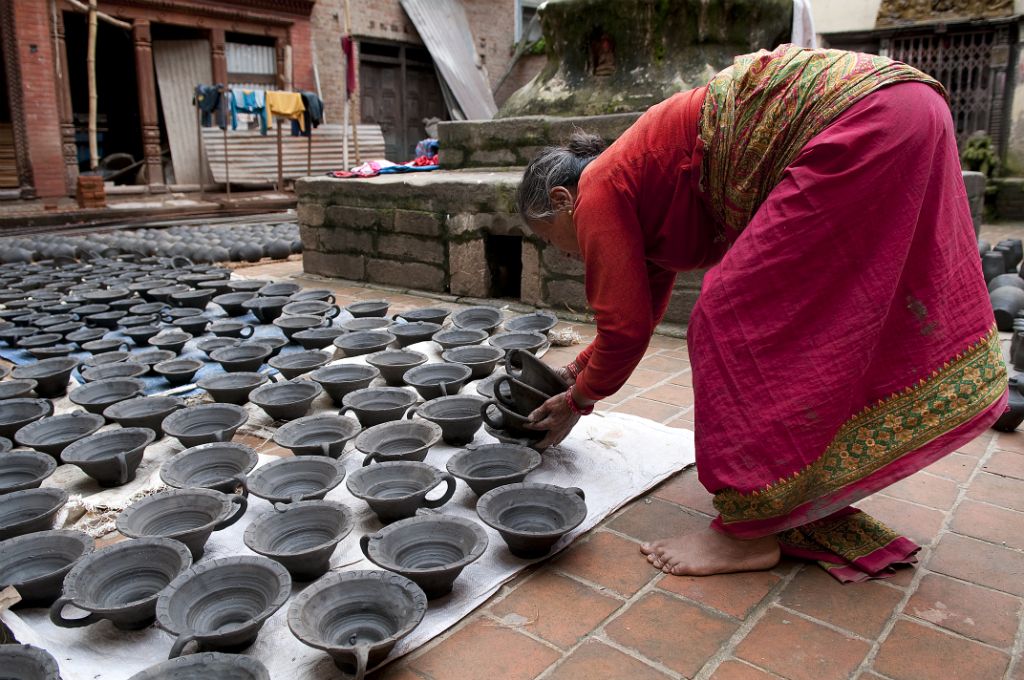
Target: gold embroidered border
[(851, 536), (883, 433)]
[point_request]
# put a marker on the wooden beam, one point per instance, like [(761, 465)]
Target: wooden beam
[(81, 7), (90, 66)]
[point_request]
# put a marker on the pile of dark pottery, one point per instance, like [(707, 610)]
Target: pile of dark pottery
[(117, 322), (1000, 265)]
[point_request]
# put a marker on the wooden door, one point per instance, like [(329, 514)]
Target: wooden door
[(380, 103)]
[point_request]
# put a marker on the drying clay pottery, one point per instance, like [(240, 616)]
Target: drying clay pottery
[(249, 590), (152, 357), (481, 359), (96, 396), (300, 536), (25, 662), (458, 416), (16, 389), (537, 322), (141, 334), (437, 380), (430, 550), (319, 308), (170, 341), (490, 466), (302, 478), (398, 440), (478, 318), (519, 396), (107, 358), (243, 358), (23, 469), (531, 342), (232, 303), (320, 294), (29, 511), (357, 616), (50, 339), (368, 308), (527, 368), (365, 324), (186, 515), (37, 563), (376, 405), (121, 369), (393, 364), (317, 338), (397, 490), (458, 337), (231, 329), (435, 315), (104, 345), (363, 342), (279, 289), (411, 333), (232, 388), (290, 325), (274, 342), (1013, 416), (147, 412), (1006, 302), (110, 457), (53, 434), (51, 375), (121, 583), (265, 309), (206, 665), (178, 371), (532, 517), (323, 434), (247, 285), (207, 345), (286, 400), (5, 445), (501, 417), (17, 413), (205, 423), (342, 379), (1006, 280), (196, 299), (295, 364), (192, 325), (220, 466)]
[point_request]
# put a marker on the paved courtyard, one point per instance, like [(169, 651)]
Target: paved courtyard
[(598, 610)]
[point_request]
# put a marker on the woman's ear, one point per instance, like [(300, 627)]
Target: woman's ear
[(561, 198)]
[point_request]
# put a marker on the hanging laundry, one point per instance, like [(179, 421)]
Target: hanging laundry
[(211, 102), (249, 102), (312, 117), (286, 105)]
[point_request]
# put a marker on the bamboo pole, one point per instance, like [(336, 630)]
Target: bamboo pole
[(280, 160), (352, 99), (90, 65)]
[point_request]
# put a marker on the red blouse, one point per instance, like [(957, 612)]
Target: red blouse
[(639, 220)]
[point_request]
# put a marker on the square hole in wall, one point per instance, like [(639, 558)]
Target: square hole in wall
[(504, 256)]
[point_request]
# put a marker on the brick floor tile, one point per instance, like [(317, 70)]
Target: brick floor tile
[(738, 670), (974, 612), (643, 377), (484, 650), (979, 562), (953, 466), (609, 561), (396, 671), (913, 651), (625, 392), (540, 605), (989, 523), (684, 421), (926, 489), (677, 395), (733, 594), (677, 634), (920, 524), (798, 649), (659, 342), (1006, 464), (1008, 441), (1001, 491), (650, 519), (665, 364), (861, 608), (685, 489), (594, 659), (680, 354), (685, 378), (648, 408)]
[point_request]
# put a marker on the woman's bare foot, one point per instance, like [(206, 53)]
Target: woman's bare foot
[(708, 552)]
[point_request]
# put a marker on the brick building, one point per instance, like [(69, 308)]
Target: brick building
[(273, 44)]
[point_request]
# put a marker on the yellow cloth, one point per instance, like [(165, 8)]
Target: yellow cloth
[(286, 105)]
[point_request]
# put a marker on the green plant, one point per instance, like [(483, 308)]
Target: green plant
[(979, 155)]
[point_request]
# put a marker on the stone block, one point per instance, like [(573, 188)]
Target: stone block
[(467, 264), (402, 247), (419, 222), (462, 223), (342, 240), (492, 158), (531, 289), (337, 265), (311, 214), (556, 262), (405, 274), (680, 305), (566, 294), (310, 237), (359, 218)]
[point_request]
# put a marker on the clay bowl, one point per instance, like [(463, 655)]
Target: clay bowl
[(248, 591), (438, 380), (106, 296), (371, 323), (164, 293), (357, 617), (108, 320), (193, 325), (295, 364), (300, 536), (96, 396), (104, 345), (518, 396), (197, 298), (205, 423), (37, 563), (363, 342), (302, 478), (186, 515), (321, 294), (208, 345), (398, 440), (532, 517), (290, 325), (206, 665), (323, 434), (231, 388), (458, 337), (40, 340), (537, 322), (29, 511), (17, 413), (431, 551), (481, 359), (121, 369), (527, 368), (20, 470), (53, 434), (478, 318), (145, 412), (220, 466), (147, 308), (317, 338), (5, 445), (12, 335), (136, 320), (286, 400), (265, 309), (247, 285), (274, 342), (279, 289), (376, 405), (368, 308), (152, 357), (342, 379), (178, 371), (393, 363), (501, 417), (16, 389), (51, 375), (396, 490), (243, 358), (227, 328), (319, 308), (487, 467), (111, 457), (413, 332), (121, 583), (435, 315), (458, 416), (52, 351), (232, 303), (107, 358), (25, 662), (531, 342), (171, 341)]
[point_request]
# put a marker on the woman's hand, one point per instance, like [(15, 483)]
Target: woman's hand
[(555, 416), (565, 374)]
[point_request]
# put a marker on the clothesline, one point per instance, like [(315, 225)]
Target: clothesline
[(304, 109)]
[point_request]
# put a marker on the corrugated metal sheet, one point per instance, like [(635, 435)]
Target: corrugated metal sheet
[(180, 66), (443, 26), (244, 58)]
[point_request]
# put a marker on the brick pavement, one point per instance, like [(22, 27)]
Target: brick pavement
[(598, 610)]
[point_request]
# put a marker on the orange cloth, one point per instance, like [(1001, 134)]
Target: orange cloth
[(287, 105)]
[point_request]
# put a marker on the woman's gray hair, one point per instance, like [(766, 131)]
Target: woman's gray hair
[(555, 166)]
